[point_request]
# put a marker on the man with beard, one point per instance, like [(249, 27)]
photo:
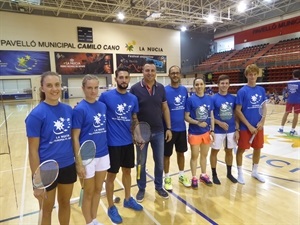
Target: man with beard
[(122, 108)]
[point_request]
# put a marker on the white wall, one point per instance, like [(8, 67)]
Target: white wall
[(14, 26), (27, 28)]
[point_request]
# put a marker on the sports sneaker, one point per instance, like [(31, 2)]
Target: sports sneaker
[(168, 184), (280, 130), (185, 181), (293, 133), (258, 177), (140, 195), (162, 193), (114, 215), (205, 179), (132, 204), (195, 183)]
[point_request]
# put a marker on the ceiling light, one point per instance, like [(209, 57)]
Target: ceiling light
[(183, 28), (242, 6), (210, 19), (121, 16), (152, 16), (155, 15)]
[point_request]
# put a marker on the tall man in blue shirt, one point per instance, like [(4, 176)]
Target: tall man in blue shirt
[(176, 98), (122, 108), (153, 108)]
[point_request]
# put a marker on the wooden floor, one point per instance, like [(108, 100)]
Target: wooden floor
[(275, 202)]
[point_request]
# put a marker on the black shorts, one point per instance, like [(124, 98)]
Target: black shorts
[(180, 142), (121, 156), (66, 175)]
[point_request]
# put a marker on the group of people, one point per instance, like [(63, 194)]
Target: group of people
[(56, 131)]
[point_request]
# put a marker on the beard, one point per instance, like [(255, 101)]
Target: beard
[(123, 87)]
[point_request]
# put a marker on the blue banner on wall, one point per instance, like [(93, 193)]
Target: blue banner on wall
[(24, 62)]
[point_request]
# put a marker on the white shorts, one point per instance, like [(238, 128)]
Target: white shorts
[(219, 141), (98, 164)]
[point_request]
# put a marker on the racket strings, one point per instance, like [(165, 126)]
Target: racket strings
[(46, 174), (142, 133), (87, 152)]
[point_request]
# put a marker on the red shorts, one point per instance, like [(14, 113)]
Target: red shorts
[(198, 139), (245, 136), (289, 107)]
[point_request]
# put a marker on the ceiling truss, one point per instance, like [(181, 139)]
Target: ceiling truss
[(172, 13)]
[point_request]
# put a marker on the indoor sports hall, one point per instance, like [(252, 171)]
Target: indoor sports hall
[(78, 37)]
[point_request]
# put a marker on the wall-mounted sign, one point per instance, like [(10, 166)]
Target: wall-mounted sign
[(24, 62), (85, 34), (70, 63), (135, 62)]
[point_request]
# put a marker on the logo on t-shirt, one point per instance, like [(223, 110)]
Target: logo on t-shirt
[(226, 111), (99, 120), (123, 109), (179, 103), (62, 125), (202, 112), (179, 100), (255, 99)]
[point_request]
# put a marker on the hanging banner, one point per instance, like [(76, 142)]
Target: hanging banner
[(24, 62), (69, 63), (135, 62)]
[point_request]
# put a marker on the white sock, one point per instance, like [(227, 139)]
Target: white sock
[(256, 175), (167, 175), (240, 178), (281, 127), (293, 129), (91, 223), (254, 168), (181, 173), (95, 222)]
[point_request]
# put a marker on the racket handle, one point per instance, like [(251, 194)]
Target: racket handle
[(80, 198), (40, 217), (138, 175), (252, 138)]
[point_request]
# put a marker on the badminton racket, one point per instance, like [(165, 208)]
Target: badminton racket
[(202, 114), (87, 154), (226, 113), (141, 136), (44, 176), (265, 109)]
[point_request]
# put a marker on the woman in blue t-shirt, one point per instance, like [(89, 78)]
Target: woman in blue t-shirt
[(48, 128), (89, 123), (199, 115)]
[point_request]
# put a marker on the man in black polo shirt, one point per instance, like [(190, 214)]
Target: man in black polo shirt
[(153, 109)]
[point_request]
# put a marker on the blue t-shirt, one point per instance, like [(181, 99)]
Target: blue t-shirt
[(250, 98), (120, 108), (200, 109), (90, 118), (224, 106), (52, 125), (293, 92), (176, 98)]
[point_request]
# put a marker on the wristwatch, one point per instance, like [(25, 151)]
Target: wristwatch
[(168, 128)]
